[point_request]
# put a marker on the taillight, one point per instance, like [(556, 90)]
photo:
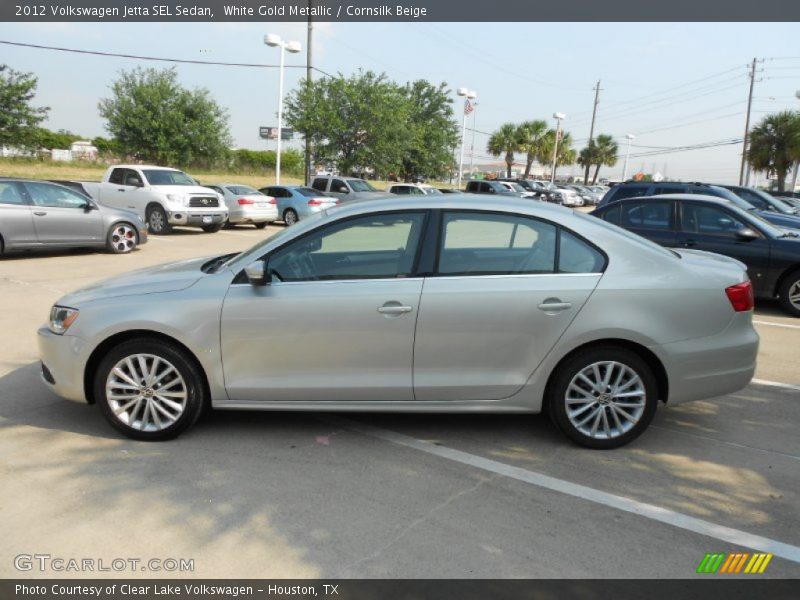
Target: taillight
[(273, 201), (315, 202), (244, 201), (741, 296)]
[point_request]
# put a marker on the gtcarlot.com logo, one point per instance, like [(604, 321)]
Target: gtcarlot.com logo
[(734, 563), (44, 563)]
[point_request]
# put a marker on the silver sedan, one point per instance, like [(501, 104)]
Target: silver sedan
[(39, 214), (418, 304)]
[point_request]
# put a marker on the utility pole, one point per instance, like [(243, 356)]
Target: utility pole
[(591, 129), (309, 74), (752, 76)]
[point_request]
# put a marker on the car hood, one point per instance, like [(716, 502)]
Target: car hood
[(184, 189), (170, 277), (788, 221)]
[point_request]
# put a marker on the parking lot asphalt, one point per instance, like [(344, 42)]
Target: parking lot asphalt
[(319, 495)]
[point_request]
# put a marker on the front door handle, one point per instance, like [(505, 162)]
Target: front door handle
[(554, 305), (120, 189), (394, 308), (39, 213)]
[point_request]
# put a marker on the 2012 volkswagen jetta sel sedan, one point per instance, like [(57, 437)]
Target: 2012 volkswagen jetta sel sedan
[(430, 304)]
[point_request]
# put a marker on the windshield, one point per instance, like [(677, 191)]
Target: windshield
[(431, 191), (167, 177), (781, 205), (359, 185), (310, 192), (243, 190), (517, 187), (257, 251)]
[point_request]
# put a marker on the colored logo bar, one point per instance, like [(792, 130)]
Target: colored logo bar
[(734, 563)]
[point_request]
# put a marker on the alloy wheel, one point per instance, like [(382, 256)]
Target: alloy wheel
[(794, 294), (123, 238), (146, 392), (156, 221), (605, 400)]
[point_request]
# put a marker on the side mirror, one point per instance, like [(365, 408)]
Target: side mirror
[(342, 189), (134, 181), (90, 206), (257, 273), (747, 234)]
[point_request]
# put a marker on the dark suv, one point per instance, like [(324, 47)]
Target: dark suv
[(490, 187)]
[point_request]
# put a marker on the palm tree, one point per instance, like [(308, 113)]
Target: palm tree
[(531, 134), (505, 140), (605, 153), (566, 155), (775, 144), (586, 158)]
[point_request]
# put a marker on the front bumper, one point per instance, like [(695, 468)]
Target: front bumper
[(193, 218), (64, 360), (711, 366)]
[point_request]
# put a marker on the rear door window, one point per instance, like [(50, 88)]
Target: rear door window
[(647, 215)]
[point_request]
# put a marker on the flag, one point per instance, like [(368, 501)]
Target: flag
[(468, 108)]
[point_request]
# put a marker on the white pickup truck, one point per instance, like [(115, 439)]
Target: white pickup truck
[(163, 197)]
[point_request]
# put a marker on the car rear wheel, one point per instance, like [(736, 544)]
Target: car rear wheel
[(789, 294), (157, 221), (149, 390), (122, 238), (290, 217), (603, 397)]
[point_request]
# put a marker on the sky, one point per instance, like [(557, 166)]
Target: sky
[(670, 84)]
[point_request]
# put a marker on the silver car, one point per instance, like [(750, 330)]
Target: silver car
[(247, 205), (452, 303), (39, 214)]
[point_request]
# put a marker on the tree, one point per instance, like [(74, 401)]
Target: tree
[(507, 141), (566, 155), (153, 118), (55, 139), (19, 120), (355, 123), (586, 158), (432, 131), (604, 154), (775, 144), (531, 134)]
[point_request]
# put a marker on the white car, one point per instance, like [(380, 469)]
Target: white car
[(413, 189), (247, 205), (517, 189)]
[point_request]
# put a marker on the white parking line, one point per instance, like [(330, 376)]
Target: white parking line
[(736, 537), (777, 384), (771, 324)]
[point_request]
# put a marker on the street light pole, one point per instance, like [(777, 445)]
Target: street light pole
[(468, 95), (275, 41), (630, 137), (558, 117)]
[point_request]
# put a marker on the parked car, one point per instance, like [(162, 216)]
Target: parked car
[(791, 201), (247, 204), (587, 194), (297, 202), (451, 304), (569, 197), (490, 186), (413, 189), (515, 187), (163, 197), (762, 200), (346, 188), (632, 189), (44, 215), (535, 189), (700, 222)]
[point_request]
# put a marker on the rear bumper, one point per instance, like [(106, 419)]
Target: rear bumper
[(64, 360), (711, 366), (254, 215)]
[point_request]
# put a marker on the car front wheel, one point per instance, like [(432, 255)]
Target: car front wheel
[(157, 221), (603, 397), (122, 238), (149, 390)]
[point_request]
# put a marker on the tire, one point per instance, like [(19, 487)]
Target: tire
[(149, 416), (157, 221), (290, 217), (613, 428), (789, 294), (212, 228), (122, 238), (261, 225)]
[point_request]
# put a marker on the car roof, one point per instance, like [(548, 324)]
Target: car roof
[(143, 167), (696, 197)]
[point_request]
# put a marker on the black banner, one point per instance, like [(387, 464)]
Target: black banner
[(399, 10), (735, 588)]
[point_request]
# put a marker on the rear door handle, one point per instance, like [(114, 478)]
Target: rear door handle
[(39, 213), (554, 306), (394, 308)]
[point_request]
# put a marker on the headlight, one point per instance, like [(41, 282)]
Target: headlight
[(175, 198), (61, 318)]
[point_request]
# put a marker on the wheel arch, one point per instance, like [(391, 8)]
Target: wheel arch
[(106, 345), (655, 364), (788, 272)]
